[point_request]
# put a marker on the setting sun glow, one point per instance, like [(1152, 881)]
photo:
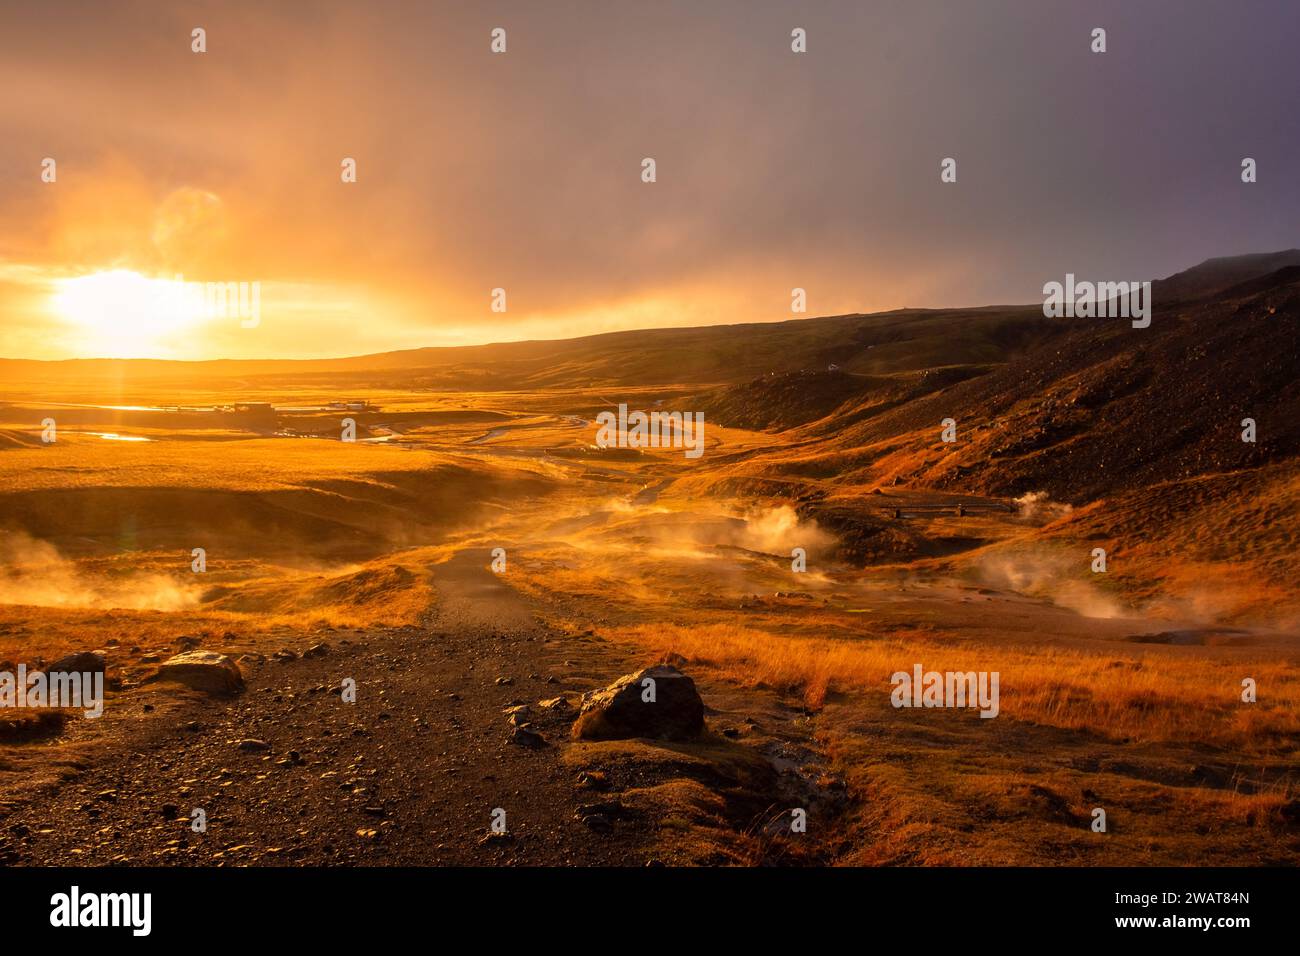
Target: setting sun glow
[(128, 314)]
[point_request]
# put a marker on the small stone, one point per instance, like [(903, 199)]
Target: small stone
[(527, 738), (86, 662), (596, 821)]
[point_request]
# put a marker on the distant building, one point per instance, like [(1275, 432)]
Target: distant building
[(260, 408)]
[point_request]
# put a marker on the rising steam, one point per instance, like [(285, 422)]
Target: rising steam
[(34, 572), (1056, 577), (1038, 507)]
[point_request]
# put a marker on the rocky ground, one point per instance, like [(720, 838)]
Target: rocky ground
[(448, 729)]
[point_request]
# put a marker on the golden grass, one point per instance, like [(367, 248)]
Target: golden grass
[(1138, 696), (260, 464), (270, 607)]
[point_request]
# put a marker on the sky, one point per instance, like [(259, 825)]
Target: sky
[(522, 170)]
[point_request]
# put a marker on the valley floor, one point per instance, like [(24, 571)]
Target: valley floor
[(383, 552)]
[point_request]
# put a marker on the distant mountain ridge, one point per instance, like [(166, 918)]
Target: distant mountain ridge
[(1220, 274), (1100, 408), (877, 343)]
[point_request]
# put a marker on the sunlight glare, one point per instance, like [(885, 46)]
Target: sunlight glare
[(121, 313)]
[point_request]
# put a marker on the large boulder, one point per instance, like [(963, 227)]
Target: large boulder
[(659, 702), (203, 670)]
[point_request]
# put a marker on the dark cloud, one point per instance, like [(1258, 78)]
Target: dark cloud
[(776, 170)]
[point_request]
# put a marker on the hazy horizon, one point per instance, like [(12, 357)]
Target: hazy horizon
[(488, 343)]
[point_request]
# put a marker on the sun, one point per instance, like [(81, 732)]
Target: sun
[(123, 314)]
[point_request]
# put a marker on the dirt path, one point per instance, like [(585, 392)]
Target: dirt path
[(471, 596), (408, 774)]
